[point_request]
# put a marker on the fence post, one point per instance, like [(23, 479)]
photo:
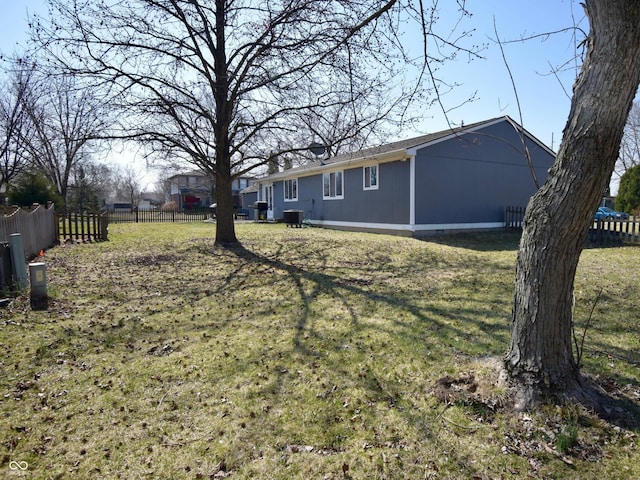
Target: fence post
[(600, 232), (104, 226), (56, 222), (75, 225)]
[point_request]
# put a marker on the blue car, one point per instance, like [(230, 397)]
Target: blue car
[(604, 213)]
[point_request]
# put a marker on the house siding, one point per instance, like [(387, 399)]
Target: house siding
[(472, 178), (278, 200), (310, 197), (462, 182), (389, 203)]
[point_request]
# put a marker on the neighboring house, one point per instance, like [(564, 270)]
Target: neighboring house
[(239, 184), (150, 201), (195, 189), (248, 197), (454, 180), (609, 202), (118, 206), (191, 189)]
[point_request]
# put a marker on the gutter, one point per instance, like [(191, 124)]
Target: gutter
[(395, 155)]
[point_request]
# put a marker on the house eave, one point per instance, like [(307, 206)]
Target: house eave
[(355, 161)]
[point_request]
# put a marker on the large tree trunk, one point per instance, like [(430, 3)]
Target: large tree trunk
[(540, 360), (225, 229)]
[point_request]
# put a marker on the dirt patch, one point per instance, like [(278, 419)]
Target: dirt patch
[(149, 260), (483, 387)]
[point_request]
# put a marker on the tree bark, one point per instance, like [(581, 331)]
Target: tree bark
[(225, 228), (540, 360)]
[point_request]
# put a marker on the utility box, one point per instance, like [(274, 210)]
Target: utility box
[(17, 261), (38, 280), (293, 218), (6, 273)]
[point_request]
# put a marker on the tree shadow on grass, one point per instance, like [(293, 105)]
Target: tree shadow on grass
[(495, 241), (324, 282), (509, 240), (618, 408)]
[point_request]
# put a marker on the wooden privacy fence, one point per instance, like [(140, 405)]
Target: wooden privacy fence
[(36, 225), (83, 227)]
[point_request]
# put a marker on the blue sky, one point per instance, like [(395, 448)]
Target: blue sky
[(544, 102), (543, 99)]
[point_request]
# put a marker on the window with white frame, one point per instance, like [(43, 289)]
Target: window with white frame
[(291, 190), (332, 185), (370, 180)]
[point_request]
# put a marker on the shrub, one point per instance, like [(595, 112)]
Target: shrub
[(628, 199), (33, 187), (170, 207)]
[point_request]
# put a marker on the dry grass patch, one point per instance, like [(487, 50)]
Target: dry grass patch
[(305, 353)]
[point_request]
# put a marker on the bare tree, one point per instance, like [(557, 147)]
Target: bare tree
[(162, 187), (14, 124), (225, 84), (66, 119), (90, 185), (540, 361), (127, 185), (630, 146)]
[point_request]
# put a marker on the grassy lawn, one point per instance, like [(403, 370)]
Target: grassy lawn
[(305, 354)]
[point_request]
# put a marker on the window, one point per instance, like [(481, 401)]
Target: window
[(332, 185), (370, 177), (291, 190)]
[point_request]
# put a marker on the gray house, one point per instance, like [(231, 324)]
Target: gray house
[(454, 180)]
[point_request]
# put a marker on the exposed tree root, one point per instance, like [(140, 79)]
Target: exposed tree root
[(575, 425), (497, 391), (611, 404)]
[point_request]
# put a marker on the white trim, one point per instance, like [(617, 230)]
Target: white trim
[(412, 190), (364, 177), (362, 225), (409, 228), (465, 131), (268, 197), (457, 226), (335, 197), (284, 193)]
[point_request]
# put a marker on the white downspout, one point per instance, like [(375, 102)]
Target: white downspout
[(412, 192)]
